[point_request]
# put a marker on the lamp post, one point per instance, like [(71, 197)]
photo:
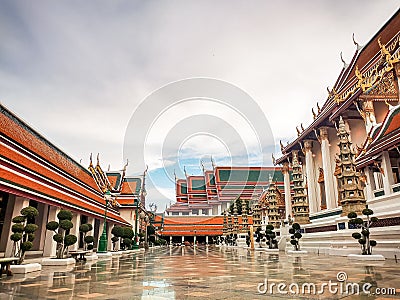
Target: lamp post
[(135, 243), (103, 239)]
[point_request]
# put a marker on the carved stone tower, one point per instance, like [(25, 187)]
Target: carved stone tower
[(350, 186), (273, 212), (299, 200)]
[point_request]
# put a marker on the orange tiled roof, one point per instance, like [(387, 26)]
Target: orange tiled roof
[(17, 130)]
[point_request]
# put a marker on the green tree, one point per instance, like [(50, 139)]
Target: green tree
[(23, 233), (296, 235), (363, 237), (87, 239), (60, 229)]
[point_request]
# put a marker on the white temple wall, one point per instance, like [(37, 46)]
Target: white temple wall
[(381, 110)]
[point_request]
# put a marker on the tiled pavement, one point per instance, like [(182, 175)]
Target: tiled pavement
[(204, 273)]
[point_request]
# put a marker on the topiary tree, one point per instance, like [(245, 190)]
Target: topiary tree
[(23, 232), (363, 237), (87, 239), (127, 236), (60, 229), (271, 237), (296, 235), (118, 232)]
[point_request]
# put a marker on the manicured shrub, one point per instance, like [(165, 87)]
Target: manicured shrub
[(60, 232), (363, 237), (23, 232), (295, 231), (87, 239)]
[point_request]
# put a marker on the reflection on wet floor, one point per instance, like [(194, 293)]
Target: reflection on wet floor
[(202, 273)]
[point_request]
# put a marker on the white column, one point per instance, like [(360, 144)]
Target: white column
[(369, 185), (219, 211), (206, 239), (183, 239), (331, 201), (387, 173), (50, 246), (76, 220), (19, 204), (41, 233), (170, 240), (288, 200), (311, 180)]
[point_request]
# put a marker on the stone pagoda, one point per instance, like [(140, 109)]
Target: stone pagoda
[(235, 219), (225, 224), (272, 211), (350, 186), (256, 216), (245, 221), (299, 200)]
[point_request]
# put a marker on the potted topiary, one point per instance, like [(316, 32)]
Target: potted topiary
[(127, 236), (296, 235), (364, 236), (61, 229), (88, 240), (118, 232), (23, 235), (271, 237), (23, 232)]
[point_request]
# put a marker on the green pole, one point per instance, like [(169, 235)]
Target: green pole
[(135, 245), (103, 239)]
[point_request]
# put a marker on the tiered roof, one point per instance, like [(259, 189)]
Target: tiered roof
[(33, 167)]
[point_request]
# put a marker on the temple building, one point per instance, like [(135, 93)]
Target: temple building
[(203, 202), (34, 172), (349, 157)]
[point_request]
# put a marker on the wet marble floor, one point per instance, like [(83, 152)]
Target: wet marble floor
[(206, 273)]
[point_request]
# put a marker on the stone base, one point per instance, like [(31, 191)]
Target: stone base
[(91, 257), (57, 261), (353, 207), (297, 252), (272, 250), (372, 257), (104, 255), (28, 268)]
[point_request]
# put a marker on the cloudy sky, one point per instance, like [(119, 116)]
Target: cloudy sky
[(79, 71)]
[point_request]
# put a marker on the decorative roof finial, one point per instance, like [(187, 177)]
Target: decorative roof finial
[(314, 115), (273, 159), (202, 165), (184, 170), (109, 166), (355, 43), (212, 162), (301, 125), (345, 65), (318, 108), (98, 159), (91, 161), (298, 131), (280, 143), (175, 175), (329, 91), (127, 162)]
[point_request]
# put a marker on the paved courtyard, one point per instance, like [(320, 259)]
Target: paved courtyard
[(202, 273)]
